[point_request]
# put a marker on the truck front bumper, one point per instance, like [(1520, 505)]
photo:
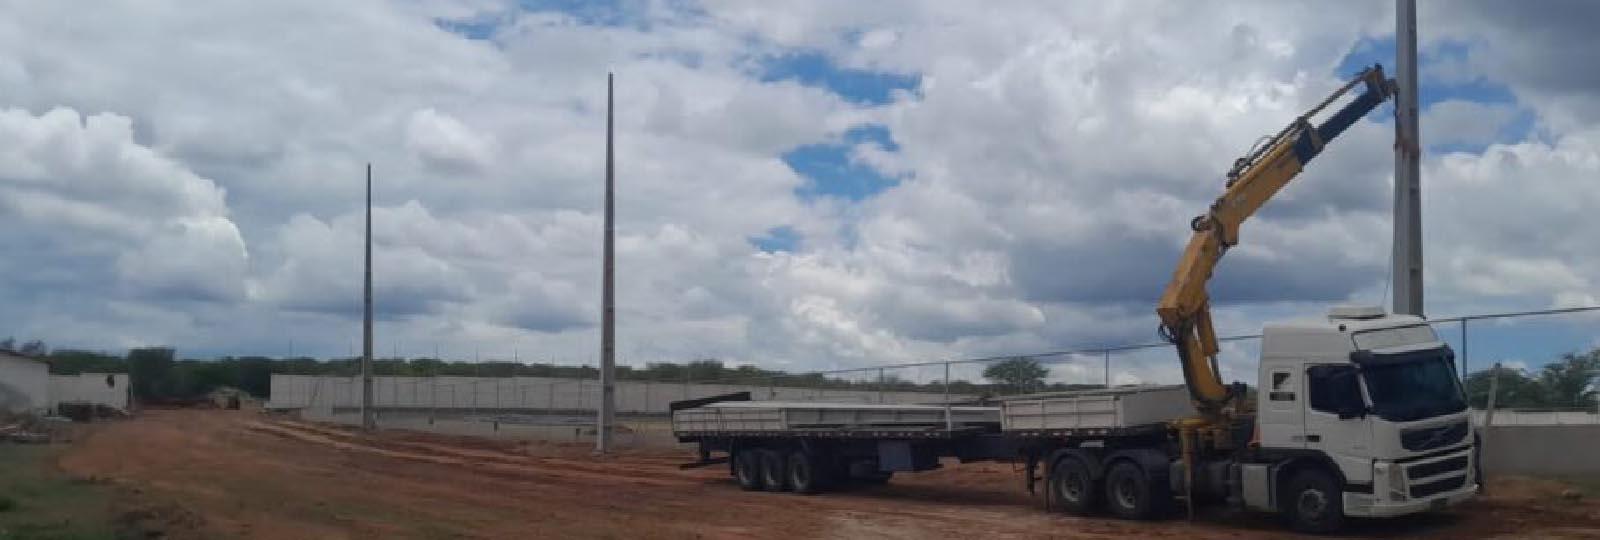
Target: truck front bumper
[(1366, 505)]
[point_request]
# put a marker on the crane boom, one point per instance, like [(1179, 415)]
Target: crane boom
[(1253, 180)]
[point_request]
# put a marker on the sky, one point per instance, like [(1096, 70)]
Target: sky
[(801, 185)]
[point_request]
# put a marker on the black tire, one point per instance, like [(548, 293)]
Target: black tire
[(806, 474), (1130, 494), (774, 471), (747, 469), (1073, 488), (1313, 502)]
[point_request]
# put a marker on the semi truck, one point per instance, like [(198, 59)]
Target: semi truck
[(1359, 413)]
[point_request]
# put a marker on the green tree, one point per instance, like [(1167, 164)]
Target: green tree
[(150, 369), (1516, 389), (34, 348), (1570, 381), (1019, 374)]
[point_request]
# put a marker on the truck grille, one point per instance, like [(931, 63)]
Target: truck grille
[(1423, 439), (1437, 486), (1458, 463)]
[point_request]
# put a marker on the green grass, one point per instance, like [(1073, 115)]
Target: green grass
[(38, 501)]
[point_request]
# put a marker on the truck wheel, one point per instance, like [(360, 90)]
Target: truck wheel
[(806, 476), (1131, 495), (774, 471), (1073, 487), (1313, 502), (747, 469)]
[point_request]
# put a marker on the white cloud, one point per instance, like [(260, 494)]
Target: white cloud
[(1048, 164), (1465, 122), (445, 144)]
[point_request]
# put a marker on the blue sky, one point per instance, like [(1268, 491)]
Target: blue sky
[(1435, 89), (1043, 172)]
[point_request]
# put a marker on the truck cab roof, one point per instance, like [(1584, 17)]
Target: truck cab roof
[(1345, 330)]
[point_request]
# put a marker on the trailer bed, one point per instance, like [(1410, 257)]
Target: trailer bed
[(1102, 413), (831, 419)]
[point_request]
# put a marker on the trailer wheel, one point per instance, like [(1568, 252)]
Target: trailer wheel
[(747, 469), (1130, 494), (774, 471), (1074, 487), (806, 476), (1313, 502)]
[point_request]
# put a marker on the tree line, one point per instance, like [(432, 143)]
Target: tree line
[(1568, 383), (157, 372)]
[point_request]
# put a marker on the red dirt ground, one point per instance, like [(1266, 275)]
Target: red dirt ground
[(236, 474)]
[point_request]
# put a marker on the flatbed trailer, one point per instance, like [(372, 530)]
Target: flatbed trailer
[(809, 447), (1117, 451)]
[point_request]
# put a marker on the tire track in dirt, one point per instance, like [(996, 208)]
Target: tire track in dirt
[(495, 464), (637, 466)]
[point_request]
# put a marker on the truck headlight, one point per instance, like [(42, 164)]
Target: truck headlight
[(1392, 478)]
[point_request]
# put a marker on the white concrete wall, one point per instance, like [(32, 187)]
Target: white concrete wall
[(24, 384), (466, 393), (103, 388)]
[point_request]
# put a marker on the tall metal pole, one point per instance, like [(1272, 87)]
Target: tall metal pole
[(602, 441), (366, 321), (1407, 167)]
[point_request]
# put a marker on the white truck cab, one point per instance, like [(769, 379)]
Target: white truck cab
[(1377, 397)]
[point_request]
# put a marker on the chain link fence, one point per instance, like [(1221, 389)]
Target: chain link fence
[(1521, 343)]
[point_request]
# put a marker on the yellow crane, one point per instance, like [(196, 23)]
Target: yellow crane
[(1254, 179)]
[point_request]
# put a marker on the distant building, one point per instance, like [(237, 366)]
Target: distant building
[(103, 388), (24, 384)]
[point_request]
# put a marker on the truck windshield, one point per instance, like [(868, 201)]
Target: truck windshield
[(1413, 389)]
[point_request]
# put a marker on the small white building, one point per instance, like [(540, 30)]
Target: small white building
[(24, 384), (103, 388)]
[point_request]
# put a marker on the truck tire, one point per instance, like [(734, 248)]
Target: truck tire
[(806, 474), (747, 469), (1313, 502), (774, 471), (1073, 487), (1130, 494)]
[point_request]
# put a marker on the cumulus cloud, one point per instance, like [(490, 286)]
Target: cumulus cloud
[(82, 198), (1047, 160)]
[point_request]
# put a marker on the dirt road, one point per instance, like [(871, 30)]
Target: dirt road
[(220, 474)]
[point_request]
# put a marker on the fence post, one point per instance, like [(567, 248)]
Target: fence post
[(880, 385), (949, 423)]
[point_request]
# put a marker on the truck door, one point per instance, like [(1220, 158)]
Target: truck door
[(1279, 412), (1336, 419)]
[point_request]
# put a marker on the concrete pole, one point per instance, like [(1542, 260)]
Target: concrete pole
[(1407, 166), (366, 321), (602, 441), (1107, 353)]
